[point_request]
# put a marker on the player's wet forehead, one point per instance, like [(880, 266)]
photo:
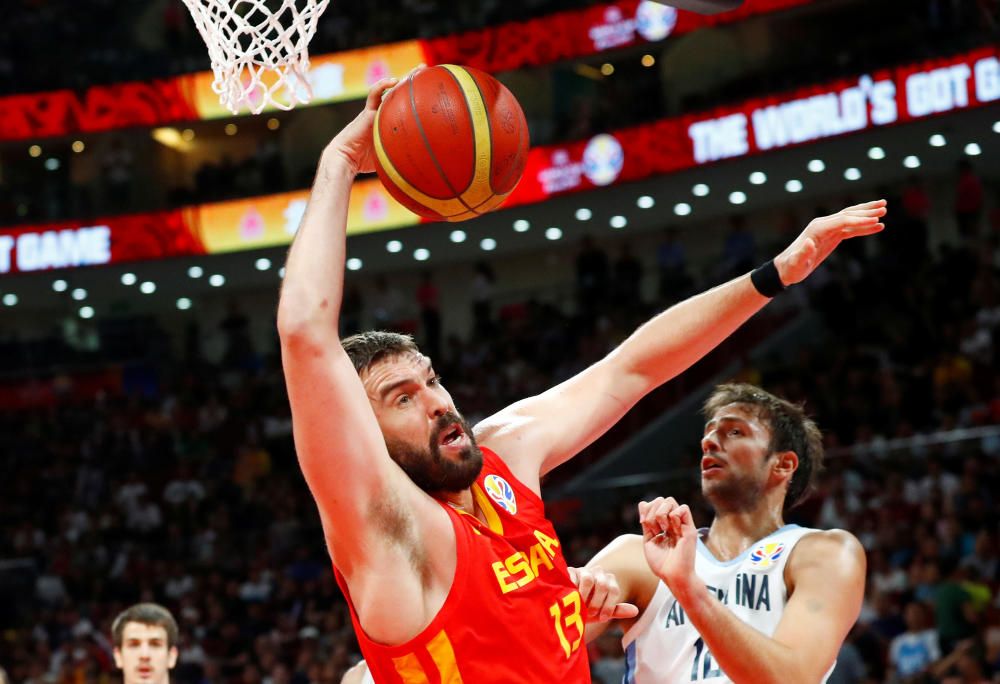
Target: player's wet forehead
[(396, 368)]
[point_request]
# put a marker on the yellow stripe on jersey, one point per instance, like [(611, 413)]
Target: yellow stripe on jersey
[(486, 506), (410, 670), (444, 657), (479, 190)]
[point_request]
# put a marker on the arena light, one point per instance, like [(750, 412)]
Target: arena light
[(794, 185), (262, 264), (648, 60), (817, 166), (281, 272), (682, 209), (758, 177), (912, 162), (937, 140), (737, 197), (700, 190), (421, 254), (521, 226), (196, 272), (996, 127), (273, 124), (35, 151), (217, 280), (128, 278), (183, 303), (487, 244), (354, 264), (231, 129), (147, 287), (457, 236), (79, 294), (187, 135), (618, 222), (78, 146), (394, 246), (51, 164), (876, 153), (973, 149), (852, 174), (583, 214), (607, 68), (60, 285), (553, 233), (645, 202), (10, 299), (172, 138), (86, 312)]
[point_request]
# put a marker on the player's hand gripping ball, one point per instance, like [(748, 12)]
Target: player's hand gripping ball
[(451, 142)]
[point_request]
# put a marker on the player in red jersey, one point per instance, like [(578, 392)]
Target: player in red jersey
[(436, 530)]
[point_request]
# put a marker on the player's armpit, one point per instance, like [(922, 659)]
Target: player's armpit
[(826, 580)]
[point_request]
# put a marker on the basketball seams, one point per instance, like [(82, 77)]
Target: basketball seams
[(489, 129), (430, 150)]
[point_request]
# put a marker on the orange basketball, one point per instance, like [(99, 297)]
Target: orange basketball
[(451, 142)]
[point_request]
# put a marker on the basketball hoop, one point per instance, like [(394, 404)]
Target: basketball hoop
[(259, 49)]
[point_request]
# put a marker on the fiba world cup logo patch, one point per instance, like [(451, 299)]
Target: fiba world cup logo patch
[(501, 492), (766, 555)]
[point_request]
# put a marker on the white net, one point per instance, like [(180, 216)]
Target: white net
[(259, 49)]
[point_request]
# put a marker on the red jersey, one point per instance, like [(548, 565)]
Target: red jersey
[(512, 614)]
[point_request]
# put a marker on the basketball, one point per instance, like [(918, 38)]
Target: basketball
[(451, 142)]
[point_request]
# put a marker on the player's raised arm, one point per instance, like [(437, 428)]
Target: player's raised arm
[(360, 491), (535, 435)]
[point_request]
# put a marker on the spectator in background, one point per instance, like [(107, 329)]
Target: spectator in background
[(627, 279), (968, 200), (430, 314), (116, 168), (912, 653), (483, 284), (739, 249), (592, 276), (671, 260)]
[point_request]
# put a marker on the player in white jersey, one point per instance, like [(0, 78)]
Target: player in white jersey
[(748, 600)]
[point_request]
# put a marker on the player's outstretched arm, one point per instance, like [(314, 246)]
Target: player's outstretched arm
[(825, 578), (616, 585), (361, 493), (533, 434)]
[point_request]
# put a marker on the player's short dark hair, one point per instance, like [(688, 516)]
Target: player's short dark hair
[(146, 614), (368, 348), (791, 430)]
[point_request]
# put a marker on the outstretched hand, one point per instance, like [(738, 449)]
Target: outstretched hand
[(601, 594), (822, 236), (354, 144)]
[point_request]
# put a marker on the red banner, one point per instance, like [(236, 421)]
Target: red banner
[(347, 75), (884, 98)]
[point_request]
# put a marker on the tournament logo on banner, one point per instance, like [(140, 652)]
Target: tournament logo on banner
[(501, 492), (603, 159), (655, 21)]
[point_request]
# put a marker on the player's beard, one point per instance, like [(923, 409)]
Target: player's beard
[(734, 493), (431, 471)]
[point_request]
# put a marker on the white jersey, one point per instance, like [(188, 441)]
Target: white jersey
[(663, 648)]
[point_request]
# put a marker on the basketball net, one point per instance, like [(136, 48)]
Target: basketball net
[(259, 50)]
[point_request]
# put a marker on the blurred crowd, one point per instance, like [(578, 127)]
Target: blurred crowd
[(186, 491)]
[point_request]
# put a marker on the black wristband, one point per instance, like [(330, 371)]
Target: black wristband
[(766, 279)]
